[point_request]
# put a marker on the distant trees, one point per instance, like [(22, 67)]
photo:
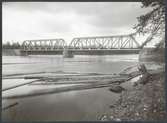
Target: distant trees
[(152, 22), (14, 45)]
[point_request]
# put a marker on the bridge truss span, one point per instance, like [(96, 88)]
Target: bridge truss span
[(44, 45), (105, 42)]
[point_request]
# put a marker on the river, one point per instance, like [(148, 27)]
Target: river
[(85, 105)]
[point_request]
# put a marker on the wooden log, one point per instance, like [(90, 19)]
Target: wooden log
[(10, 106), (77, 78), (12, 87), (60, 90), (86, 80), (114, 80), (18, 74), (54, 76)]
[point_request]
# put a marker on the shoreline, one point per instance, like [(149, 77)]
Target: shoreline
[(142, 102)]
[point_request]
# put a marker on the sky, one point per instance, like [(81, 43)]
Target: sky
[(50, 20)]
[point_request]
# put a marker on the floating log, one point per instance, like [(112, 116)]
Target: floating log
[(18, 74), (72, 77), (61, 89), (96, 84), (12, 87), (114, 80), (54, 75), (79, 80), (10, 106)]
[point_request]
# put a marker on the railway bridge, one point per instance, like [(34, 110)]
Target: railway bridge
[(99, 45)]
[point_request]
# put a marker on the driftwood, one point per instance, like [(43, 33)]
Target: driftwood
[(116, 89), (93, 81), (10, 106), (79, 82), (31, 76), (84, 76), (89, 82), (60, 90), (83, 79), (93, 85), (9, 88)]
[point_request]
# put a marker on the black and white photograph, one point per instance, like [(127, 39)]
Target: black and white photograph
[(83, 61)]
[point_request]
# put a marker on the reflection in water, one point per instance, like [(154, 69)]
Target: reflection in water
[(74, 105)]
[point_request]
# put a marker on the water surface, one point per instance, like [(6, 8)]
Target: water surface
[(74, 105)]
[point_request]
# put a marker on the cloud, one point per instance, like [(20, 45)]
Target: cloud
[(37, 20)]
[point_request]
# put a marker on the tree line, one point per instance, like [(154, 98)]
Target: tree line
[(11, 45)]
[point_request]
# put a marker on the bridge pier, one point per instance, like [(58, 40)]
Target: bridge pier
[(67, 54), (23, 53)]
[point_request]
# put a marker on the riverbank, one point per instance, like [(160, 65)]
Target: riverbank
[(143, 102)]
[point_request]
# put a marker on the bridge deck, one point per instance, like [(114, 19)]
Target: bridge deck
[(82, 51)]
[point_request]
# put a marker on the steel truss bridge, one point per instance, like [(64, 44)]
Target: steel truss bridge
[(105, 42), (84, 45), (43, 45)]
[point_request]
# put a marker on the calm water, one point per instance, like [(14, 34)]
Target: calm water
[(75, 105)]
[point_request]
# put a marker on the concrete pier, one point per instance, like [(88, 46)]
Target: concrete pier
[(67, 54), (23, 53)]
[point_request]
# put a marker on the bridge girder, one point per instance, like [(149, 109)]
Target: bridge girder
[(105, 42), (44, 44)]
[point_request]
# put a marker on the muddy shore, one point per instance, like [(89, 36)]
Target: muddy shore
[(142, 102)]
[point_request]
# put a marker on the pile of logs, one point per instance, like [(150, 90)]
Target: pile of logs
[(80, 82)]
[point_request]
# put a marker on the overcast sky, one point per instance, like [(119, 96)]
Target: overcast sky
[(47, 20)]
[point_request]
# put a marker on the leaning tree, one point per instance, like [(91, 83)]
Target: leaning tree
[(152, 22)]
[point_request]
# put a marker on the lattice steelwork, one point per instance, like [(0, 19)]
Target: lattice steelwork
[(105, 42), (42, 45)]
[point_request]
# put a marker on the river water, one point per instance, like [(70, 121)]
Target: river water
[(85, 105)]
